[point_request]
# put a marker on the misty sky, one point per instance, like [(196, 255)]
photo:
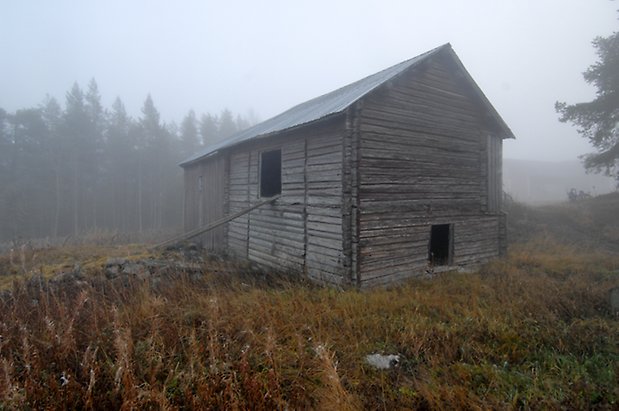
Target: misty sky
[(270, 55)]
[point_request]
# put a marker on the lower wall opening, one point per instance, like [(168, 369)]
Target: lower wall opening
[(441, 244)]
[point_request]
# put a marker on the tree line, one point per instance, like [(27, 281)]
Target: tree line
[(81, 168)]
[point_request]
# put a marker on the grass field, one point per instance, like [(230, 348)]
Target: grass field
[(533, 330)]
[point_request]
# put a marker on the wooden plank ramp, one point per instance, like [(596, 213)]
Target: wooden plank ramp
[(201, 230)]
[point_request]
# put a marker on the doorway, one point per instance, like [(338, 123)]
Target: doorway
[(441, 244)]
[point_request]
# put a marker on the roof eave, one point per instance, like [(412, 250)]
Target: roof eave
[(263, 136), (191, 162)]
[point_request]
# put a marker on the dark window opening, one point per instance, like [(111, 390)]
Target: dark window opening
[(441, 244), (270, 173)]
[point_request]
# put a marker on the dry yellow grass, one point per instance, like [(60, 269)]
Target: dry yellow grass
[(51, 261), (531, 331)]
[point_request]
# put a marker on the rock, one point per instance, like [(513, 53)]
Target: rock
[(112, 271), (137, 269), (67, 277), (113, 267), (150, 262), (115, 261), (187, 250), (383, 362)]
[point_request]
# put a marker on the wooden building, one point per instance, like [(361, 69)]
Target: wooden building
[(376, 181)]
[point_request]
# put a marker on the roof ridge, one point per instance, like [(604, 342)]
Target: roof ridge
[(405, 62), (319, 107)]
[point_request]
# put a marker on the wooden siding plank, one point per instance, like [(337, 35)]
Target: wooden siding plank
[(423, 160), (303, 230), (206, 206)]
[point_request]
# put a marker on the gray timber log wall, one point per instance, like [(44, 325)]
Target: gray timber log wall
[(303, 229), (205, 200), (425, 158), (361, 189)]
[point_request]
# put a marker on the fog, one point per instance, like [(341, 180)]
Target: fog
[(267, 56), (234, 62)]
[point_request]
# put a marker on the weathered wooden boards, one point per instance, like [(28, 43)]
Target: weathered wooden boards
[(424, 160), (303, 231), (361, 190), (205, 184)]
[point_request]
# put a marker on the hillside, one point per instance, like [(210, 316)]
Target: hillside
[(590, 224), (544, 182), (534, 330)]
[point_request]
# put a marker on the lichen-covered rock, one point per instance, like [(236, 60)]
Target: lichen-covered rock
[(113, 267), (382, 361)]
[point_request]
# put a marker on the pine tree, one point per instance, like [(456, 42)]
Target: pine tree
[(5, 161), (94, 137), (598, 120), (52, 115), (189, 135), (29, 180), (64, 171), (209, 129), (227, 126), (120, 168), (241, 122), (75, 130), (152, 162)]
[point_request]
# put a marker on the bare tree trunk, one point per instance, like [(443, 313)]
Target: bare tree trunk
[(57, 211), (95, 192), (94, 207), (114, 205), (140, 193), (75, 200)]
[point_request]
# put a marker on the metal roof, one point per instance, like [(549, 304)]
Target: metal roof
[(318, 108)]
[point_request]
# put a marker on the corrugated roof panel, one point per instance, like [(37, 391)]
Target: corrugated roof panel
[(320, 107)]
